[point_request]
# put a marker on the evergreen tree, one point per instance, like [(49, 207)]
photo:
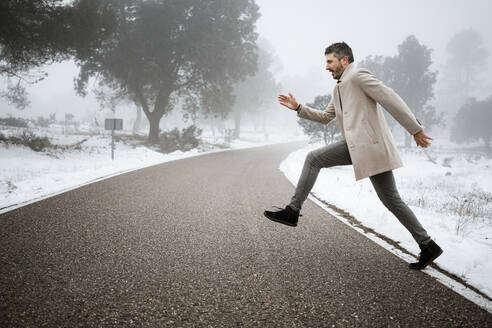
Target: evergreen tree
[(473, 122), (40, 32), (162, 50)]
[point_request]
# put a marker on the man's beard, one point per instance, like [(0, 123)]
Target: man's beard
[(338, 72)]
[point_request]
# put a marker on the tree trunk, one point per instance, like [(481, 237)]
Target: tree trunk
[(154, 117), (212, 128), (237, 124), (138, 120), (154, 130)]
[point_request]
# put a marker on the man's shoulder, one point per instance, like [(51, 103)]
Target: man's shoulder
[(358, 72), (360, 75)]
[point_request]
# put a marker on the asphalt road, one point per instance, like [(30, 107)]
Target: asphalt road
[(185, 244)]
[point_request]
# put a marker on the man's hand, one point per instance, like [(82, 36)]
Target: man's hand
[(421, 139), (288, 101)]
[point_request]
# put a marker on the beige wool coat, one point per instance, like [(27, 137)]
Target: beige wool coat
[(362, 123)]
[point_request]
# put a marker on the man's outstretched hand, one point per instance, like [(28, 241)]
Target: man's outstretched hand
[(288, 101), (421, 139)]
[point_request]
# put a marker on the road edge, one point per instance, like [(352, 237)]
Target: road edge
[(12, 207), (447, 278)]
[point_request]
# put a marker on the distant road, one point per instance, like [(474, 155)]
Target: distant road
[(185, 244)]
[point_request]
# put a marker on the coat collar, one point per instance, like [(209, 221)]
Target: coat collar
[(346, 72)]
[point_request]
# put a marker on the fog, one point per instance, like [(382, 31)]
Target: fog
[(298, 33)]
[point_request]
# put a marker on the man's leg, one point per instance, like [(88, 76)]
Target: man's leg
[(385, 186), (331, 155)]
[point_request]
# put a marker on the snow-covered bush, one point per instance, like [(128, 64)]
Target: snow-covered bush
[(29, 139), (15, 122), (184, 140)]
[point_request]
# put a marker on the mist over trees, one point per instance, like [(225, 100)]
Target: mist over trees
[(472, 122), (255, 93), (463, 73), (204, 57), (151, 53), (467, 61), (161, 50), (42, 32)]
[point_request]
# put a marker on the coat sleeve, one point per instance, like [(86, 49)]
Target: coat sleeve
[(322, 116), (389, 99)]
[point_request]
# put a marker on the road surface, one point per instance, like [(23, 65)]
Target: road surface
[(185, 244)]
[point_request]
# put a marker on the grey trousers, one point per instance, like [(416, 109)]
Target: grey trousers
[(384, 183)]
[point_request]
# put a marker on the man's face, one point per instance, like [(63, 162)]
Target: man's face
[(335, 66)]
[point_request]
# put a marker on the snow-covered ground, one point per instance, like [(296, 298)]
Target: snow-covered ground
[(26, 175), (449, 191)]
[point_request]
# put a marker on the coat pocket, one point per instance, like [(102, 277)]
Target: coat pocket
[(370, 132)]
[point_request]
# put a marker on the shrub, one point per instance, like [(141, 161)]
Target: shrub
[(184, 140), (43, 122), (29, 139), (15, 122)]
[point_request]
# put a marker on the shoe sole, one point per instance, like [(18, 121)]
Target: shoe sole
[(428, 262), (280, 221)]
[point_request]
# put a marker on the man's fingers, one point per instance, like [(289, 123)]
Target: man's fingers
[(424, 143)]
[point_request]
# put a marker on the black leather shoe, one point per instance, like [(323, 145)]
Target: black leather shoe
[(428, 254), (285, 215)]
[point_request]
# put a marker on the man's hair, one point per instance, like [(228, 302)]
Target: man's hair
[(340, 50)]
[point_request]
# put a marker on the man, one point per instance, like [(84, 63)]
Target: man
[(368, 144)]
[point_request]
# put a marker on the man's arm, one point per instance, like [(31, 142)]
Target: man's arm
[(389, 99), (322, 116)]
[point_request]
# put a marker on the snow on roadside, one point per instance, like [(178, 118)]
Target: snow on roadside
[(437, 193), (26, 175)]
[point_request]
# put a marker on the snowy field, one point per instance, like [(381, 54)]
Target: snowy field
[(26, 175), (450, 192)]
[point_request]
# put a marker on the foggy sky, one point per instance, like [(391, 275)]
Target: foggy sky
[(299, 31)]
